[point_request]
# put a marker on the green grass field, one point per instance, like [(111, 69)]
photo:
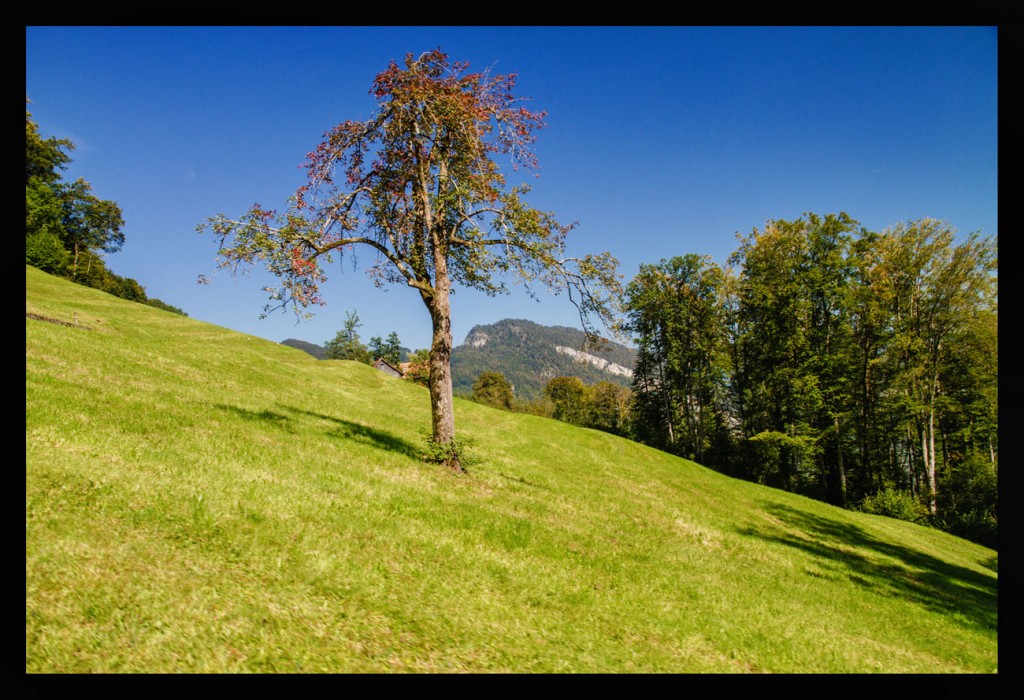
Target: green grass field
[(203, 501)]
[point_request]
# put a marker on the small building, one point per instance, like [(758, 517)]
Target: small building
[(387, 368)]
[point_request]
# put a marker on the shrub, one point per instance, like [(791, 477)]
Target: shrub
[(165, 306), (438, 453), (978, 525), (893, 503), (45, 251)]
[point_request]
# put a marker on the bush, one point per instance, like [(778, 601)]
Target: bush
[(46, 252), (978, 526), (165, 306), (443, 453), (895, 504)]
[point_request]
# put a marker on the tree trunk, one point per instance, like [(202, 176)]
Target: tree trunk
[(929, 449), (842, 469), (440, 382)]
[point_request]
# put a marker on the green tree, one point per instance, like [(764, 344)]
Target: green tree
[(84, 224), (608, 408), (935, 287), (569, 396), (68, 211), (777, 398), (89, 224), (676, 309), (346, 344), (45, 251), (869, 318), (493, 389), (826, 279), (418, 185), (796, 355), (389, 349), (44, 160)]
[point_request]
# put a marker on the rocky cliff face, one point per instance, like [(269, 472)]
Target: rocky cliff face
[(599, 362), (529, 355)]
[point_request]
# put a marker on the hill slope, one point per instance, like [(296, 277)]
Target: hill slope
[(199, 500), (529, 355)]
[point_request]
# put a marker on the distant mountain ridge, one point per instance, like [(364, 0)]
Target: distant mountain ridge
[(530, 355), (312, 348), (320, 352)]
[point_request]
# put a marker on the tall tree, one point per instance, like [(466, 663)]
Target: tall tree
[(346, 344), (826, 281), (676, 309), (45, 159), (418, 185), (90, 224), (778, 397), (935, 287), (389, 349), (84, 224)]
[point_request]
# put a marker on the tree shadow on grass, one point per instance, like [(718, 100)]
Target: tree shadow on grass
[(844, 549), (266, 416), (358, 432), (340, 428)]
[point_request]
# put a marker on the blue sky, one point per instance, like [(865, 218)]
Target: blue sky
[(660, 141)]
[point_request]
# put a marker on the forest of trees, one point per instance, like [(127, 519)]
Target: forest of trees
[(67, 227), (854, 367), (850, 366)]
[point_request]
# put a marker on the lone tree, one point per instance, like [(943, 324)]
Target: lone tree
[(493, 389), (346, 344), (418, 186)]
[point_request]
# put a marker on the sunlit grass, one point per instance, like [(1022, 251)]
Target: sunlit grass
[(199, 500)]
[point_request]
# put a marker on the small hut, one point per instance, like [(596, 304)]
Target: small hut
[(387, 368)]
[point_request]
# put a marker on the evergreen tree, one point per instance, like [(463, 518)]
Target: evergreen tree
[(389, 350), (346, 344)]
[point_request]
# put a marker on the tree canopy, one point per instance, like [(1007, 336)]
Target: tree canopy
[(346, 345), (67, 212), (67, 227), (851, 366), (493, 389), (418, 186)]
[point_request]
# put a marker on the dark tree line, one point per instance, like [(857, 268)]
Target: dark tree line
[(67, 227), (855, 367)]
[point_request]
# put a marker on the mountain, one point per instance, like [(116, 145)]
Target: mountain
[(320, 353), (529, 355), (314, 350)]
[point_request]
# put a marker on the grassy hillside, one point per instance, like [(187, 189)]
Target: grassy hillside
[(198, 500)]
